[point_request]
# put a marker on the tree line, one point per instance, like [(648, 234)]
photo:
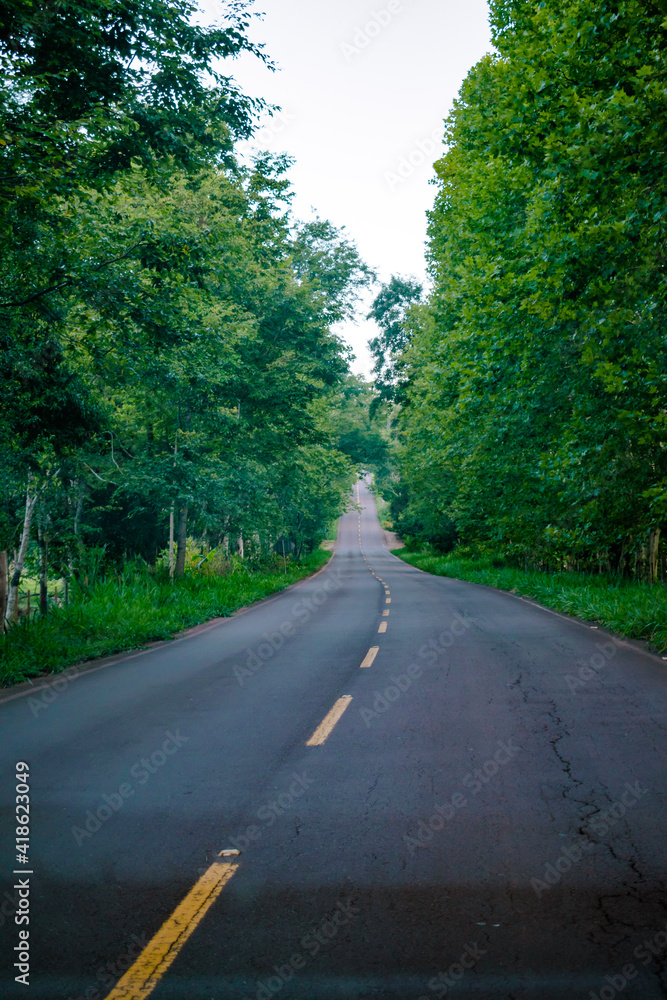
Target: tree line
[(168, 362), (532, 375)]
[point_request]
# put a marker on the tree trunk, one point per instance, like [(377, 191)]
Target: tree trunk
[(618, 558), (653, 546), (182, 538), (171, 542), (171, 519), (13, 602), (78, 513), (43, 571), (3, 588), (239, 545), (640, 570)]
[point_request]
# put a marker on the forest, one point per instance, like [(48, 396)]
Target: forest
[(171, 384), (531, 374)]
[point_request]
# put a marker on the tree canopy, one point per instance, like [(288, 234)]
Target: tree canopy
[(535, 416), (167, 324)]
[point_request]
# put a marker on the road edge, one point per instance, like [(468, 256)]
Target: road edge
[(638, 645), (29, 687)]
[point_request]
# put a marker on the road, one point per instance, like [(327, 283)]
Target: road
[(485, 819)]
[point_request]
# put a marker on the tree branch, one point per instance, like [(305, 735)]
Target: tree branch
[(69, 281)]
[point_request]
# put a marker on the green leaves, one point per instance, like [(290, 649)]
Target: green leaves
[(166, 324), (538, 374)]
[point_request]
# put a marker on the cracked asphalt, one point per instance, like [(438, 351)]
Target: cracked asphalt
[(485, 820)]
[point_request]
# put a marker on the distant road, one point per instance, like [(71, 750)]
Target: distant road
[(438, 789)]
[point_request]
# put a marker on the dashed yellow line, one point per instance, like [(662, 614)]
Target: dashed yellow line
[(385, 612), (370, 656), (141, 978), (383, 627), (387, 600), (329, 721)]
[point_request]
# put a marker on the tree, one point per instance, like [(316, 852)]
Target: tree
[(389, 311), (167, 325), (92, 94), (537, 375)]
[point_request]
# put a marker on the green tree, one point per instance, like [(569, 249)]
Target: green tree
[(536, 379), (389, 310)]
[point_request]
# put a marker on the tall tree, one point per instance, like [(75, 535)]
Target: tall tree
[(537, 378), (389, 310)]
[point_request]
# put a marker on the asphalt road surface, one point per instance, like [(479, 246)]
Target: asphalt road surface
[(485, 819)]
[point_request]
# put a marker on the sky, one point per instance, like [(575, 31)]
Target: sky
[(363, 89)]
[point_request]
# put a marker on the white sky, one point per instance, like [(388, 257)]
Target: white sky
[(361, 85)]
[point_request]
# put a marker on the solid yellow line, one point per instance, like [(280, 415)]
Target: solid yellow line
[(383, 627), (141, 978), (329, 721), (370, 656)]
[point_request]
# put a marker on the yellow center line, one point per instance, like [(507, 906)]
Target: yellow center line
[(370, 656), (383, 627), (387, 600), (385, 612), (329, 721), (141, 978)]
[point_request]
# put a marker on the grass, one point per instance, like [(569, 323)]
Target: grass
[(635, 610), (140, 608), (383, 512)]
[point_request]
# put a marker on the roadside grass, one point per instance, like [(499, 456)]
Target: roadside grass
[(120, 614), (635, 610), (384, 516), (332, 531)]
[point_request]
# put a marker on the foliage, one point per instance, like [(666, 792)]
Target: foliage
[(389, 311), (355, 427), (535, 417), (168, 351)]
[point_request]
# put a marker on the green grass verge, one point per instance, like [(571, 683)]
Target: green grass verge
[(383, 512), (140, 609), (635, 610)]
